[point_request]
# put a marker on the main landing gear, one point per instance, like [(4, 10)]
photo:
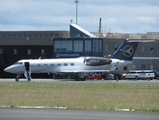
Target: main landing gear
[(80, 77), (17, 77), (77, 78)]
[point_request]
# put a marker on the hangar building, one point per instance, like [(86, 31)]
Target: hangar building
[(16, 45)]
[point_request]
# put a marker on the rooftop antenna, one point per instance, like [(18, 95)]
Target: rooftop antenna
[(100, 25), (76, 1)]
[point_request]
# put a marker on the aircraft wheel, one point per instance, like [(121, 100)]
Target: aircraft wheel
[(16, 79), (84, 79), (77, 78), (124, 78), (136, 78)]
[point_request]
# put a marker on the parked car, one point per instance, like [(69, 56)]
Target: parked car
[(157, 75), (139, 74), (109, 77)]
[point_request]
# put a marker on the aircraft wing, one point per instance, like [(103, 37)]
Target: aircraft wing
[(80, 71)]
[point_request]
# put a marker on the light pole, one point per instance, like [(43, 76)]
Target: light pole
[(76, 1)]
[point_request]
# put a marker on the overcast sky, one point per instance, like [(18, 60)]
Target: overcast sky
[(128, 16)]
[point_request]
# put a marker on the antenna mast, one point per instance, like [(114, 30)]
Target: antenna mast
[(76, 1)]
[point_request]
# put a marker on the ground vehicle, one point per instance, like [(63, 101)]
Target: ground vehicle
[(110, 77), (139, 74), (157, 75)]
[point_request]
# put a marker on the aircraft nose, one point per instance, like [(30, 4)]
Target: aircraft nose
[(8, 69)]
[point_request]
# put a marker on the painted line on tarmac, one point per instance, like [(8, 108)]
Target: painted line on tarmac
[(37, 107)]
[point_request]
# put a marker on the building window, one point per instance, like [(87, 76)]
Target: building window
[(143, 48), (15, 51), (57, 50), (115, 48), (152, 49), (63, 46), (42, 51), (134, 67), (107, 48), (88, 46), (63, 49), (29, 52), (151, 67), (143, 67), (1, 51), (78, 46), (97, 46), (125, 68)]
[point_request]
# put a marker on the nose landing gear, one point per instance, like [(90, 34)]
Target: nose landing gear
[(17, 77)]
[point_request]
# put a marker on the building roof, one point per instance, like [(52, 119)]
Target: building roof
[(77, 31)]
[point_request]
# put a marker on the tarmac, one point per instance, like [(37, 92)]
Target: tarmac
[(71, 80)]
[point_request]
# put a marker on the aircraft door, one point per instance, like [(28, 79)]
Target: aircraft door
[(27, 71), (27, 65)]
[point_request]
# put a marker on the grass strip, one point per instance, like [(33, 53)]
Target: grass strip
[(88, 96)]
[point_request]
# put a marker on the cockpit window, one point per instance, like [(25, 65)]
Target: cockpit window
[(18, 63)]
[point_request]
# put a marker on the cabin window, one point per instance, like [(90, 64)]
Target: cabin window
[(65, 64), (72, 64), (52, 64)]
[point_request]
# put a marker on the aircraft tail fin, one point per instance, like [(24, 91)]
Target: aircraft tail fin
[(127, 49)]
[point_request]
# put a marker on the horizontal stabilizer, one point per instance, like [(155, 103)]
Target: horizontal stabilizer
[(141, 40)]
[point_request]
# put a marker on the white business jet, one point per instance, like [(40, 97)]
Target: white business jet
[(121, 57)]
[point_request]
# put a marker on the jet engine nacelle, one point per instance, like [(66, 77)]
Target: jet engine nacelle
[(96, 61)]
